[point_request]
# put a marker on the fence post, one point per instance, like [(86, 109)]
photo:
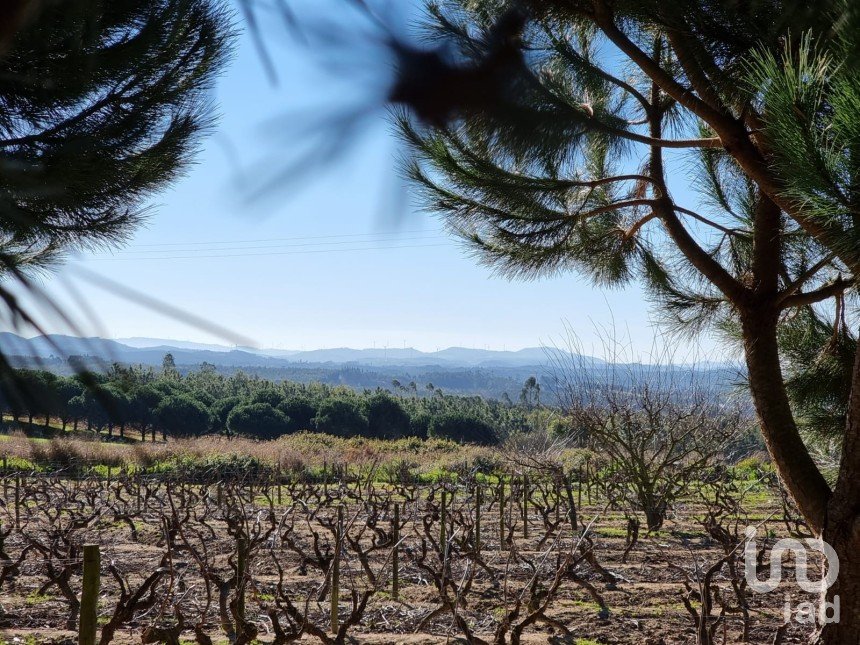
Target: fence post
[(443, 517), (89, 596), (335, 572), (325, 477), (588, 478), (478, 519), (241, 568), (138, 495), (579, 490), (278, 475), (17, 502), (525, 507), (501, 514), (395, 554)]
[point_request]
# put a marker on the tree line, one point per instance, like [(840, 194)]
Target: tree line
[(167, 403)]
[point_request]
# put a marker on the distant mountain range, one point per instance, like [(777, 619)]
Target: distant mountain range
[(460, 370), (150, 351)]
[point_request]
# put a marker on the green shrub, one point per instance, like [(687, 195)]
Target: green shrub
[(216, 467)]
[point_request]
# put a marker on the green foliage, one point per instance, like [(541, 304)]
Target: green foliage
[(259, 420), (753, 468), (568, 167), (300, 412), (202, 401), (819, 357), (221, 410), (217, 467), (103, 104), (183, 416), (386, 418), (461, 426), (268, 395), (341, 417), (809, 93)]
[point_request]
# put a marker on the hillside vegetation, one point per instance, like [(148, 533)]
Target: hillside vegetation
[(144, 403)]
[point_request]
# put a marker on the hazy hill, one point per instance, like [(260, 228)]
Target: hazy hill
[(150, 351), (461, 370)]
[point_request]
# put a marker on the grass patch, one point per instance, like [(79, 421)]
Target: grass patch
[(36, 598)]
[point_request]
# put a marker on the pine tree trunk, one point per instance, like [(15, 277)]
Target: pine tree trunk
[(843, 534), (795, 466), (842, 530), (833, 515)]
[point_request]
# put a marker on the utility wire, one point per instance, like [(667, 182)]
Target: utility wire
[(291, 239), (279, 246), (245, 255)]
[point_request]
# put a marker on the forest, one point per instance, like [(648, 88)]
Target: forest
[(145, 403)]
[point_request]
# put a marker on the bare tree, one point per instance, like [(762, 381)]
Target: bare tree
[(661, 425)]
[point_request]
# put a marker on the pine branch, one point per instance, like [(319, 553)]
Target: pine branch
[(832, 289), (604, 19), (807, 275)]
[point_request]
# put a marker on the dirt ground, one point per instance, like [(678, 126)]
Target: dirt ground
[(194, 535)]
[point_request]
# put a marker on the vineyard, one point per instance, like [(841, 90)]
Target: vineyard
[(530, 554)]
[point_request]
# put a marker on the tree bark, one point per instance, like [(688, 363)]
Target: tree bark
[(842, 528), (843, 534), (793, 462)]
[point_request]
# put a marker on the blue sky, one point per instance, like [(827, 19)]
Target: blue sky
[(323, 261)]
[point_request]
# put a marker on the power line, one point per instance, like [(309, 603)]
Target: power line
[(244, 255), (281, 246), (289, 239)]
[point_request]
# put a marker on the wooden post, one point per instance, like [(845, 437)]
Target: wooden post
[(17, 502), (108, 475), (278, 475), (89, 596), (335, 572), (502, 514), (443, 519), (241, 572), (478, 519), (579, 490), (525, 507), (588, 478), (395, 553)]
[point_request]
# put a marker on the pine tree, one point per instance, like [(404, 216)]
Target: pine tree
[(101, 105), (549, 136)]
